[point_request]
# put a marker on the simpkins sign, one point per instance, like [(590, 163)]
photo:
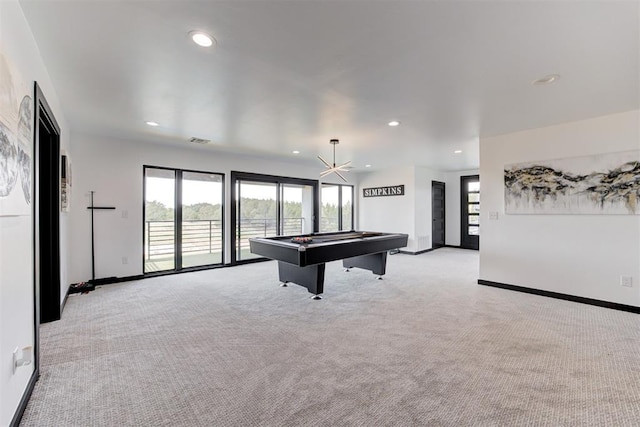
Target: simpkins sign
[(392, 190)]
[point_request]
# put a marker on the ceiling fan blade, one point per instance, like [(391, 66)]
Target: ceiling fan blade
[(340, 175), (325, 162)]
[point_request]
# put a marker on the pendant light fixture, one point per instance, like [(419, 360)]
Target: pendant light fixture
[(332, 168)]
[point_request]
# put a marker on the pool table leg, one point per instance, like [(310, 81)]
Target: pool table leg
[(311, 276), (376, 263)]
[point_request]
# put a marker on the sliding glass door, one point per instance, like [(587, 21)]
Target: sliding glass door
[(256, 214), (201, 241), (159, 219), (183, 225), (265, 205)]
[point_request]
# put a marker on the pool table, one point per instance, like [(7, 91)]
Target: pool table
[(301, 259)]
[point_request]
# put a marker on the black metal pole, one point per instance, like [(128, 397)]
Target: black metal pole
[(93, 252), (334, 154), (93, 243)]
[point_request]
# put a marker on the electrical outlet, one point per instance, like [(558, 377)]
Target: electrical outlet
[(125, 214), (493, 215), (125, 260), (22, 357), (626, 281)]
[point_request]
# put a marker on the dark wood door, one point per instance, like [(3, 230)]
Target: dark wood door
[(437, 214), (470, 212)]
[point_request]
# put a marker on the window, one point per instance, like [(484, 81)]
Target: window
[(337, 208)]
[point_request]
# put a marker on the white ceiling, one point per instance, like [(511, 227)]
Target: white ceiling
[(291, 75)]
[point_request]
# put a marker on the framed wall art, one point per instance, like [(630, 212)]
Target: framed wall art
[(16, 142), (601, 184)]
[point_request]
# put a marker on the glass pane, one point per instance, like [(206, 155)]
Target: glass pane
[(474, 219), (308, 204), (473, 186), (329, 209), (159, 215), (347, 203), (474, 230), (201, 219), (297, 209), (474, 197), (474, 208), (256, 215), (291, 210)]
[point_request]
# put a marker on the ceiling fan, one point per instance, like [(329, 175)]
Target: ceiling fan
[(334, 169)]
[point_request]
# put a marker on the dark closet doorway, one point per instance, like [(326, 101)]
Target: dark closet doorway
[(437, 214), (47, 212)]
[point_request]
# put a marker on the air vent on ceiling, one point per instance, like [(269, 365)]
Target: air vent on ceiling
[(199, 140)]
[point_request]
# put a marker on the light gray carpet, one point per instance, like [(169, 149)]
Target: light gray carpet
[(426, 346)]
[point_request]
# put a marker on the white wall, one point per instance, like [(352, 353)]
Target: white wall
[(580, 255), (390, 214), (113, 169), (16, 233)]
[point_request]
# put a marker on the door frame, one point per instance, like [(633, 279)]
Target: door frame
[(46, 212), (42, 111), (444, 213)]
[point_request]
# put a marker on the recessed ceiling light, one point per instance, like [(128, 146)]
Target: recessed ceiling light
[(394, 123), (151, 123), (458, 151), (367, 166), (201, 38), (295, 152), (548, 79)]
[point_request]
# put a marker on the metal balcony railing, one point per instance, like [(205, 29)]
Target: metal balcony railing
[(198, 236), (205, 236), (250, 228)]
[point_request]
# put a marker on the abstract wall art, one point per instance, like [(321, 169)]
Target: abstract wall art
[(16, 142), (601, 184)]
